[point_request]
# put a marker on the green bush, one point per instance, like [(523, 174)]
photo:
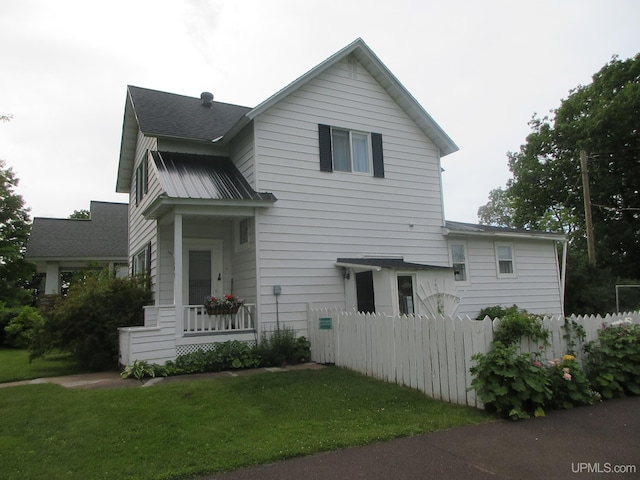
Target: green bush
[(613, 360), (517, 385), (516, 324), (20, 330), (224, 356), (497, 311), (282, 347), (85, 322), (6, 315), (510, 383), (141, 368)]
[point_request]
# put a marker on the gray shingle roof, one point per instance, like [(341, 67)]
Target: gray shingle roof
[(185, 175), (103, 236), (171, 115)]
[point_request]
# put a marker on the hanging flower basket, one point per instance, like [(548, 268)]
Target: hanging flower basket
[(227, 305)]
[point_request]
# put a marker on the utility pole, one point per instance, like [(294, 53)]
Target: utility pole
[(591, 248)]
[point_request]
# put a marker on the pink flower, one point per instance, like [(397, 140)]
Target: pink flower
[(537, 364), (567, 376)]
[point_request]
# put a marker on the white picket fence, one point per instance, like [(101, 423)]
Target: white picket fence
[(432, 355)]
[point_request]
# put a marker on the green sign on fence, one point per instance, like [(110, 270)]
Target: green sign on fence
[(326, 323)]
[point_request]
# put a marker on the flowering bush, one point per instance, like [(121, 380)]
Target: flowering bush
[(569, 383), (509, 383), (613, 360)]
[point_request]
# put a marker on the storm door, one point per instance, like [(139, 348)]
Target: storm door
[(202, 272)]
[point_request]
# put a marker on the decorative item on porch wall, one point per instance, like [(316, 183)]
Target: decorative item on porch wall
[(226, 305)]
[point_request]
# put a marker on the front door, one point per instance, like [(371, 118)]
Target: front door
[(202, 270), (364, 292)]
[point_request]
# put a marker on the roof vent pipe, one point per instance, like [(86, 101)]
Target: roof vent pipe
[(207, 99)]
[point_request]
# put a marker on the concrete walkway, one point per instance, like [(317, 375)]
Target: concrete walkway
[(114, 380)]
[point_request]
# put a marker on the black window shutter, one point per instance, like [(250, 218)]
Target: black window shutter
[(378, 160), (324, 139)]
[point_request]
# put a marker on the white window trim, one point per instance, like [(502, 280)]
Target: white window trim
[(240, 247), (514, 274), (369, 171), (413, 290), (141, 262), (463, 244)]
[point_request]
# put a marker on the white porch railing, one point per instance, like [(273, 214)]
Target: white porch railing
[(197, 321)]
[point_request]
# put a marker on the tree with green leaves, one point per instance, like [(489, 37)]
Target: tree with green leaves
[(15, 271), (545, 192), (80, 215)]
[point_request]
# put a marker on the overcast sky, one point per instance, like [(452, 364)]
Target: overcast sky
[(480, 68)]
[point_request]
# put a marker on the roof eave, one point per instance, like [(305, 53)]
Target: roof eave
[(162, 205), (556, 237)]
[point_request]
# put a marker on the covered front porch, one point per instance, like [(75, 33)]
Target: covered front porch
[(195, 240), (198, 253), (163, 338)]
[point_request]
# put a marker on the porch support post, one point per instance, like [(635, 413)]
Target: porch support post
[(52, 279), (177, 273)]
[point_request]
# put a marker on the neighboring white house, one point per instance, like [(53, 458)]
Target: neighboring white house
[(328, 193)]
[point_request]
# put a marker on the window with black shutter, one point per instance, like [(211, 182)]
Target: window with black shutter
[(344, 150)]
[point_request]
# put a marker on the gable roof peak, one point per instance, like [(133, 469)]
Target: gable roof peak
[(370, 61)]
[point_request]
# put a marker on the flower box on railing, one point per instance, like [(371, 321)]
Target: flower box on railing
[(227, 305), (222, 309)]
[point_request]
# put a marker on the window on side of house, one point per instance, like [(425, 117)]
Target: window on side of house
[(142, 179), (505, 260), (345, 150), (243, 231), (141, 262), (459, 262)]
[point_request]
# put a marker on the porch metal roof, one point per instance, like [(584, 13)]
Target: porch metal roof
[(395, 263), (185, 175)]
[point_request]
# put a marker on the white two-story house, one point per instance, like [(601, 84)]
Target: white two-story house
[(328, 193)]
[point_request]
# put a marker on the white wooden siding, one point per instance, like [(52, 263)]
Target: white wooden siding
[(320, 216), (535, 288), (242, 154), (142, 231)]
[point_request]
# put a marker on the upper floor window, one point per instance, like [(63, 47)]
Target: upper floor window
[(142, 180), (459, 262), (505, 261), (350, 151)]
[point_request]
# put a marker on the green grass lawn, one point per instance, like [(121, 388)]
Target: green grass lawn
[(199, 427), (15, 366)]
